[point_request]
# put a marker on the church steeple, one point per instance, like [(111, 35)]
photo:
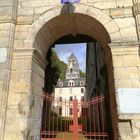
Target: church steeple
[(73, 68)]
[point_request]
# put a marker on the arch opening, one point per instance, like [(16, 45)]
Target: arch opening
[(70, 24), (77, 28)]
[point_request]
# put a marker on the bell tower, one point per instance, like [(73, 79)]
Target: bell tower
[(73, 68)]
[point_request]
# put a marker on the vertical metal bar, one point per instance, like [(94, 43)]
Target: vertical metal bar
[(94, 127), (86, 111), (57, 116), (53, 115), (42, 129), (75, 113), (95, 116), (61, 114), (102, 114), (45, 109), (98, 117), (49, 117), (65, 119), (89, 118)]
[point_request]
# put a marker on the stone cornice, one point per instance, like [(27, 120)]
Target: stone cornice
[(124, 44), (136, 9), (32, 54), (39, 59), (125, 48)]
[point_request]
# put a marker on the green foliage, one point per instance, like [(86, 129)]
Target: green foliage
[(82, 74), (59, 65)]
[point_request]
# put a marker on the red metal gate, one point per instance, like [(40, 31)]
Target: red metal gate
[(72, 119)]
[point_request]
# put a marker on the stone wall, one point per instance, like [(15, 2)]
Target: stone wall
[(22, 56), (8, 10)]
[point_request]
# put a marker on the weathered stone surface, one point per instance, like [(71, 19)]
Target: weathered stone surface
[(26, 71)]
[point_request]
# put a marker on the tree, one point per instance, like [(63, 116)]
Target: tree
[(60, 65), (82, 74)]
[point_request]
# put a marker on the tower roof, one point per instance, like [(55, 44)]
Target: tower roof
[(72, 56)]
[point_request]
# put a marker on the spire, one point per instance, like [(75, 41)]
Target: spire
[(72, 56), (73, 67)]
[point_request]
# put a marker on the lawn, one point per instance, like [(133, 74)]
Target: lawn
[(70, 136)]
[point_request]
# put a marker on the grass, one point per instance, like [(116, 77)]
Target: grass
[(70, 136)]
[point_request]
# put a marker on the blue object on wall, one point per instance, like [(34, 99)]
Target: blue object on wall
[(70, 1)]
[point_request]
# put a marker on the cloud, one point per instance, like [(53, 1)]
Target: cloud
[(79, 49)]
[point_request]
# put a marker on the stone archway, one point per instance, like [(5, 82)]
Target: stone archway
[(80, 21), (45, 30)]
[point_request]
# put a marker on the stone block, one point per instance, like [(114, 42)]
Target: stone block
[(136, 127), (6, 3), (3, 86), (6, 10), (19, 43), (21, 64), (123, 83), (4, 42), (105, 4), (125, 130), (136, 83), (25, 11), (103, 18), (118, 12), (37, 69), (37, 79), (31, 3), (118, 61), (25, 19), (4, 74), (18, 99), (124, 3), (5, 18), (25, 76), (20, 87), (125, 22), (126, 73), (131, 60), (111, 27), (21, 34), (40, 10), (37, 89), (128, 12), (116, 36), (128, 32)]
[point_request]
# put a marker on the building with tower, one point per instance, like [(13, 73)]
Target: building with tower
[(69, 88), (29, 28)]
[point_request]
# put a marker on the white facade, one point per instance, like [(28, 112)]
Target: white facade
[(64, 100), (66, 90)]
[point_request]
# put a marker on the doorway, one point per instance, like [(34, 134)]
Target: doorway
[(95, 116)]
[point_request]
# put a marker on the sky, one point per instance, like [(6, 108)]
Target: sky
[(64, 50)]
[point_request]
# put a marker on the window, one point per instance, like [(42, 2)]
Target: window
[(81, 83), (71, 70), (60, 99), (60, 111), (71, 98), (71, 111), (82, 98), (82, 90), (73, 61), (71, 83), (60, 84)]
